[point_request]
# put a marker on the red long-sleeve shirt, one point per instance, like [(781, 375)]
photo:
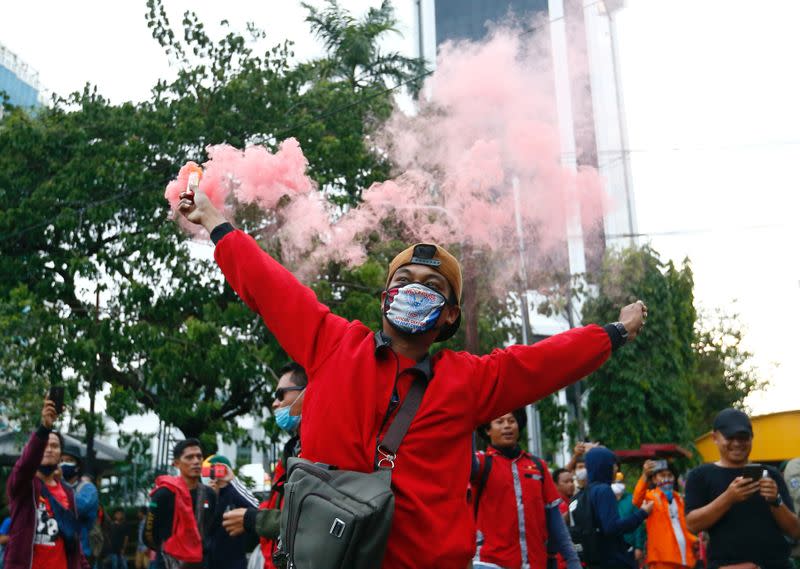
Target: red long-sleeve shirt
[(350, 386)]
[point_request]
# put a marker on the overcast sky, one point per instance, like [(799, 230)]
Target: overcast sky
[(711, 94)]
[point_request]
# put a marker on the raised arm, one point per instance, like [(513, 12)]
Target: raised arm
[(303, 326), (518, 375), (640, 493), (24, 470)]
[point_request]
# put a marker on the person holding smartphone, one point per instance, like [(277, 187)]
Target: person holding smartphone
[(229, 552), (44, 531), (746, 509), (669, 544)]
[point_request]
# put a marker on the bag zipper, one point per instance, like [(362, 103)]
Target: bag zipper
[(315, 470)]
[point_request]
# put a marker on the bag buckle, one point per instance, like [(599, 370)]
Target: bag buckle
[(386, 459)]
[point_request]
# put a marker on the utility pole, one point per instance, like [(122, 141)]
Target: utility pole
[(611, 8), (531, 412)]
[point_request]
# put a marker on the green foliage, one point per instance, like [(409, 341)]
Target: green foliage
[(133, 479), (724, 374), (97, 286), (553, 418), (668, 385), (642, 394)]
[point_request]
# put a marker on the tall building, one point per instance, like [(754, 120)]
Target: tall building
[(18, 80)]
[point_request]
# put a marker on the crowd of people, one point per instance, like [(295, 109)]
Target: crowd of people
[(383, 460)]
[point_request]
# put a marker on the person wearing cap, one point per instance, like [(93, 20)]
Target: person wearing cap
[(669, 544), (359, 377), (87, 499), (516, 502), (228, 552), (747, 520)]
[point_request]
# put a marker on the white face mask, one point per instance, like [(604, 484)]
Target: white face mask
[(581, 475), (618, 488)]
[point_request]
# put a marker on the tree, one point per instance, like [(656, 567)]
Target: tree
[(724, 374), (99, 287), (643, 395)]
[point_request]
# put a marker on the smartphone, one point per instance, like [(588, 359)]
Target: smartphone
[(214, 471), (660, 465), (753, 471), (56, 395)]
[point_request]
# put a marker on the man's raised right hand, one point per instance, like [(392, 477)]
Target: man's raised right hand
[(49, 414), (198, 209)]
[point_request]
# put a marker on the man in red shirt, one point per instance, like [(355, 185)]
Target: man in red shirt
[(517, 503), (565, 484), (44, 530), (357, 379)]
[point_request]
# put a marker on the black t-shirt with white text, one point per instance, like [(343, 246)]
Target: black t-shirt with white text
[(748, 531)]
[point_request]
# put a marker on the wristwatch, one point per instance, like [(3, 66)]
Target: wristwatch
[(622, 331), (777, 502)]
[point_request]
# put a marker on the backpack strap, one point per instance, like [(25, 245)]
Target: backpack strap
[(200, 510), (487, 468), (540, 465), (387, 447)]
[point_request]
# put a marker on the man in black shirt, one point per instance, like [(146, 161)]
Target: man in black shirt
[(747, 520), (119, 541), (182, 515)]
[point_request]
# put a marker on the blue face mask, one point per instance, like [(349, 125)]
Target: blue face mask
[(286, 421), (68, 470), (667, 488), (413, 308)]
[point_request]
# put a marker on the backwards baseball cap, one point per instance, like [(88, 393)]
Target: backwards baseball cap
[(731, 422), (218, 459), (443, 262)]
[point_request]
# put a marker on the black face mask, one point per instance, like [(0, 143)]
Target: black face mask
[(47, 469), (511, 452)]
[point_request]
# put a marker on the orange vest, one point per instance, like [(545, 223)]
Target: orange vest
[(662, 547)]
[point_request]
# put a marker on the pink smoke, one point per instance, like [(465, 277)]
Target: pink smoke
[(489, 122), (250, 176)]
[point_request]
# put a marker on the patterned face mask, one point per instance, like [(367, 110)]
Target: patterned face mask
[(413, 308)]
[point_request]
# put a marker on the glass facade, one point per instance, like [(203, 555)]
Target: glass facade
[(17, 80), (466, 19)]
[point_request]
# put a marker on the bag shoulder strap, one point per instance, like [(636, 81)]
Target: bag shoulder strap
[(387, 447), (487, 468), (540, 465), (199, 508)]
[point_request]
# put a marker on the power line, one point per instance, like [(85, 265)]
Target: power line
[(285, 131)]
